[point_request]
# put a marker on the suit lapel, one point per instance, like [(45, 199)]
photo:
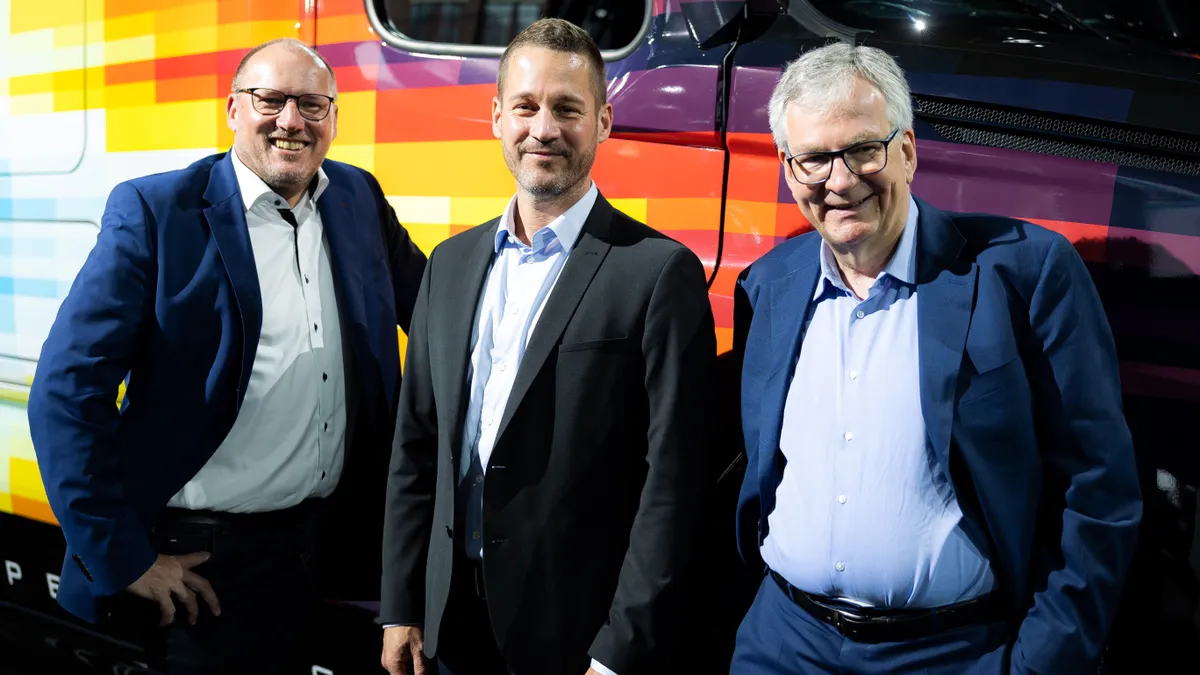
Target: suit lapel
[(463, 292), (346, 251), (945, 299), (790, 300), (590, 251), (227, 221)]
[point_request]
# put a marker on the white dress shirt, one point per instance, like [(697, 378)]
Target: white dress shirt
[(287, 443), (864, 511)]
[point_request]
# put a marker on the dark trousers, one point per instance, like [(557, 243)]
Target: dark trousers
[(466, 643), (260, 570), (777, 637)]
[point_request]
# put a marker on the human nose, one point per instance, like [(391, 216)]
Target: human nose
[(544, 127), (289, 118), (841, 178)]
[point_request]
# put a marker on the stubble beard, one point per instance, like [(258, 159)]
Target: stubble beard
[(552, 187)]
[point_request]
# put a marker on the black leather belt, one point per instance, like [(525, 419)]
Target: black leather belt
[(871, 625), (299, 514)]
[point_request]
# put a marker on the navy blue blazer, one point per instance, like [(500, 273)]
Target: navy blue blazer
[(169, 301), (1021, 400)]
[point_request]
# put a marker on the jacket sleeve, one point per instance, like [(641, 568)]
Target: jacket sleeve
[(1089, 462), (73, 415), (408, 514), (679, 350), (748, 404)]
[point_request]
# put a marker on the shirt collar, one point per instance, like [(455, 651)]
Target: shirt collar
[(902, 266), (253, 189), (565, 228)]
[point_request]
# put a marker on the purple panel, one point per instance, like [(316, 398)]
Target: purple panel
[(1012, 183), (785, 193), (428, 73), (369, 52), (352, 53), (666, 99), (751, 92), (478, 71), (638, 60), (393, 55)]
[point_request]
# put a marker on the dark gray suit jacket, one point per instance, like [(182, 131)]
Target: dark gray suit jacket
[(594, 484)]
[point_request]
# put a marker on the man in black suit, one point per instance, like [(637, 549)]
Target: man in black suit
[(561, 357)]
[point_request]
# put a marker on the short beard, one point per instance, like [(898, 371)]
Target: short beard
[(286, 181), (553, 187)]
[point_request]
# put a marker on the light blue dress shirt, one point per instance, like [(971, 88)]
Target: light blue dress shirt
[(864, 511), (518, 284)]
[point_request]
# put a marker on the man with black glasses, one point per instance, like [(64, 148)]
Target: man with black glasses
[(249, 303), (939, 477)]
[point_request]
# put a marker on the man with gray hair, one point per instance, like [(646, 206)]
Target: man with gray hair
[(940, 478)]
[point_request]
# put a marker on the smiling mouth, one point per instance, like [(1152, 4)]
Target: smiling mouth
[(849, 207), (284, 144)]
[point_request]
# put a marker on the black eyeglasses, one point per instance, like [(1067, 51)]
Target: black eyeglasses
[(312, 107), (862, 159)]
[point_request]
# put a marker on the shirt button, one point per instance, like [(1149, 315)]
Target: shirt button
[(854, 374), (306, 278), (488, 422), (849, 436), (513, 311), (860, 314), (841, 499), (314, 326), (501, 367), (322, 475), (324, 377), (841, 567), (327, 426)]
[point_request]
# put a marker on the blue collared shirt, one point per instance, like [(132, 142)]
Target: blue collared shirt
[(517, 286), (864, 511), (520, 280)]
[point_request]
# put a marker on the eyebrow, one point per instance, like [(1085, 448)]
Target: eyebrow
[(858, 138), (565, 98)]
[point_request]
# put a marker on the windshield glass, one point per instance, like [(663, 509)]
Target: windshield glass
[(1174, 24)]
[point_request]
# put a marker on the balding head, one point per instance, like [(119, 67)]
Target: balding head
[(290, 45), (283, 114)]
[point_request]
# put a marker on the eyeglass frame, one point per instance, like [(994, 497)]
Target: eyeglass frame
[(833, 155), (286, 97)]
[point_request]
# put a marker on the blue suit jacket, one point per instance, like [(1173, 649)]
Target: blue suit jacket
[(1021, 400), (169, 297)]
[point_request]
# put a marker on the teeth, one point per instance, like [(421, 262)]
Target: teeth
[(287, 145)]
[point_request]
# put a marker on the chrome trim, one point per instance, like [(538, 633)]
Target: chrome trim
[(487, 51)]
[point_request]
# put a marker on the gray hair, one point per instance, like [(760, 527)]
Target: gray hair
[(823, 79)]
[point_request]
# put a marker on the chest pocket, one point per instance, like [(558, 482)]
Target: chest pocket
[(993, 356)]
